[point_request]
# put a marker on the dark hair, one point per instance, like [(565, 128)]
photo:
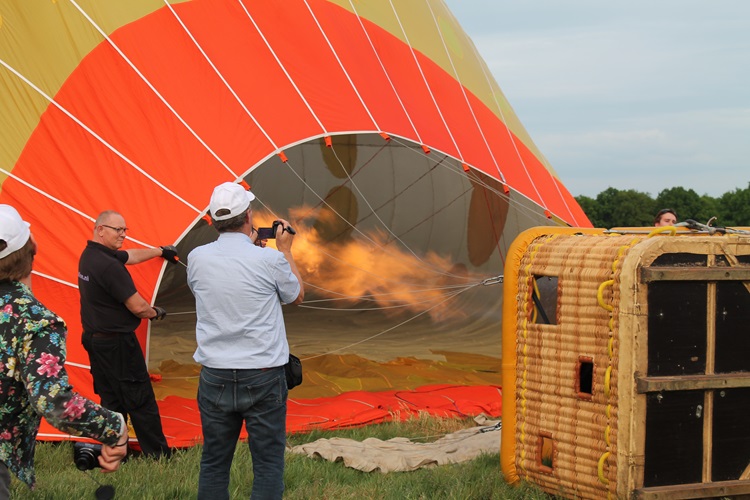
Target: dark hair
[(230, 225), (17, 265), (662, 212)]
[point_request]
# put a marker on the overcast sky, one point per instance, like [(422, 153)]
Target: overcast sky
[(642, 95)]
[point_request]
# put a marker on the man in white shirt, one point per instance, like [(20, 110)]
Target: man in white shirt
[(239, 289)]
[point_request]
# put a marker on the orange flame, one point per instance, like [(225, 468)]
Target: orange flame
[(372, 268)]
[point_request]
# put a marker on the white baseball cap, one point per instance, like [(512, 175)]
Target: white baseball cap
[(229, 196), (14, 231)]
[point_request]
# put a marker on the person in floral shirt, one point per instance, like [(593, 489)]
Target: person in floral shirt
[(33, 381)]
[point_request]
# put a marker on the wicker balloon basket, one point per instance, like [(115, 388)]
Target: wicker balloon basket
[(626, 363)]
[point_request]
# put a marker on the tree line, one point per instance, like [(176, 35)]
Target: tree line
[(628, 207)]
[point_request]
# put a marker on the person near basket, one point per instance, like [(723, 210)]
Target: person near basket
[(33, 380), (665, 217), (239, 289)]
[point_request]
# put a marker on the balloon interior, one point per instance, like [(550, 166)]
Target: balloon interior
[(374, 127)]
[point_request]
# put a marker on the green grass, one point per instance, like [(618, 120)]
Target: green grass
[(305, 478)]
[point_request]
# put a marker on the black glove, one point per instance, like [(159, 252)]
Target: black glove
[(160, 313), (169, 253)]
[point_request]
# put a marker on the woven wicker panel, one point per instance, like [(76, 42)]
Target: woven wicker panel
[(548, 355)]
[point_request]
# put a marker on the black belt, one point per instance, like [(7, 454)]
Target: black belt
[(102, 335)]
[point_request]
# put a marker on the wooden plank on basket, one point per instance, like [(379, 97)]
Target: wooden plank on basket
[(746, 474), (655, 273), (692, 382), (734, 261), (695, 490)]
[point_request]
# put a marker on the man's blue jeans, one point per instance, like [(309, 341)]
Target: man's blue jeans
[(225, 399)]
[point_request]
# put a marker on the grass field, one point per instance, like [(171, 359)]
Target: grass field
[(305, 478)]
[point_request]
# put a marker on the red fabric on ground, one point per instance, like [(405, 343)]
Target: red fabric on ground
[(181, 419)]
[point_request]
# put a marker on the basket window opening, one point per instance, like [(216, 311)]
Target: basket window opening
[(546, 449), (544, 295), (585, 377)]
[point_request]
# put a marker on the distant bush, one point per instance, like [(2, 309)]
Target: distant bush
[(616, 208)]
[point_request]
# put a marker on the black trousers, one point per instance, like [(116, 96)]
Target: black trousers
[(122, 382)]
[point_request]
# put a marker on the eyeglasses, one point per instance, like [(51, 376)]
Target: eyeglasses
[(118, 230)]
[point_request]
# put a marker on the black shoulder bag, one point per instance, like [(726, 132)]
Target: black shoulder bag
[(293, 371)]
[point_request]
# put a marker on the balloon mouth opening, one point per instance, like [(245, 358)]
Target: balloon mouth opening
[(373, 257)]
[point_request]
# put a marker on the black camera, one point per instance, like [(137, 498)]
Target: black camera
[(86, 455), (269, 233)]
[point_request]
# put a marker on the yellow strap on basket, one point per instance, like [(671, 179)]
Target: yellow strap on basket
[(600, 295), (607, 378), (600, 468), (663, 229)]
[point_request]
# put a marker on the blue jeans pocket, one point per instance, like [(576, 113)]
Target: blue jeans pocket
[(210, 392)]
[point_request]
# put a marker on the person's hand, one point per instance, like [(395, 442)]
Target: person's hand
[(283, 238), (160, 313), (111, 456), (254, 238), (169, 253)]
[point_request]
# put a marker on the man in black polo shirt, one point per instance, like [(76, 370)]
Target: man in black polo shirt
[(111, 310)]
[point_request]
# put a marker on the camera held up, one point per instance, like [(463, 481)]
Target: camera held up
[(268, 233)]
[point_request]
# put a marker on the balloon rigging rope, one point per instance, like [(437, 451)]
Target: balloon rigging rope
[(373, 210), (356, 172), (372, 296), (403, 190), (424, 79), (369, 298), (153, 89), (278, 61), (350, 177), (450, 291), (463, 91), (459, 172), (355, 228), (221, 76), (512, 138), (383, 332), (382, 222), (93, 134), (341, 65), (448, 297), (385, 72), (492, 91)]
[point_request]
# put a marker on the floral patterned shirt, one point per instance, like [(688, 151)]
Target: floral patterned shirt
[(34, 384)]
